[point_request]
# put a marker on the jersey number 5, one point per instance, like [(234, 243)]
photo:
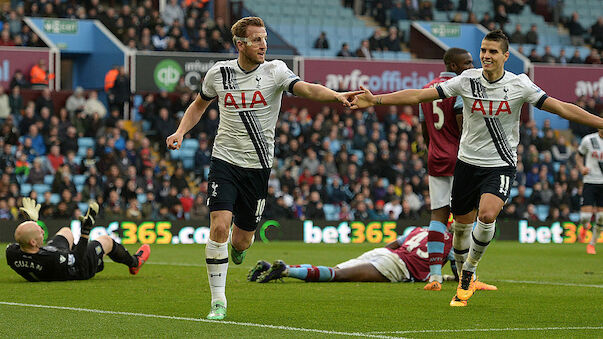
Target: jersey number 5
[(437, 111)]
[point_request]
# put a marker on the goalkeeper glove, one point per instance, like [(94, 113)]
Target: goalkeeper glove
[(30, 209), (87, 221)]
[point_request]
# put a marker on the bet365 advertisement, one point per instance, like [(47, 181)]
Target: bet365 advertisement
[(308, 231)]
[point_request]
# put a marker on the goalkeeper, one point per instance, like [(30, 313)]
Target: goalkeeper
[(59, 260), (403, 260)]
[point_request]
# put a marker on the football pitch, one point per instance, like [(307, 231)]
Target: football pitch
[(544, 291)]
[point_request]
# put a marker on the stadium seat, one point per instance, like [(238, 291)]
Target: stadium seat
[(190, 144), (82, 206), (141, 197), (25, 189), (86, 142), (41, 188), (542, 211), (79, 179), (514, 192), (175, 154), (55, 198), (528, 192), (188, 158), (48, 179)]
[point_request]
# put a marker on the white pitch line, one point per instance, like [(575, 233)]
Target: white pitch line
[(276, 327), (495, 330), (549, 283)]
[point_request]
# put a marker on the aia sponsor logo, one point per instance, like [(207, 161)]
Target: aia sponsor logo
[(240, 100), (490, 108)]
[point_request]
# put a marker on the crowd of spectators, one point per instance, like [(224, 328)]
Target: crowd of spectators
[(181, 26), (351, 162), (389, 38)]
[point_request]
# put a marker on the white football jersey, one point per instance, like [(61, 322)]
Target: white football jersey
[(491, 112), (591, 148), (249, 104)]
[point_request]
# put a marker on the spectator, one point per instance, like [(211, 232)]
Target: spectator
[(518, 37), (576, 30), (532, 35), (562, 59), (18, 80), (5, 39), (445, 5), (120, 92), (44, 100), (376, 40), (344, 51), (160, 38), (426, 11), (37, 172), (5, 107), (321, 42), (94, 106), (397, 13), (392, 41), (593, 57), (76, 102), (15, 101), (501, 17), (314, 209), (534, 57), (548, 56), (110, 78), (39, 75), (576, 59), (364, 50), (172, 11), (37, 141), (393, 208), (55, 158), (596, 31), (486, 20)]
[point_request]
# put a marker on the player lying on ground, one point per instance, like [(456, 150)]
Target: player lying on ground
[(59, 260), (404, 259)]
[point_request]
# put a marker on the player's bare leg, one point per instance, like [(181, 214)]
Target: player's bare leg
[(240, 241), (216, 258), (435, 246), (586, 214), (66, 233)]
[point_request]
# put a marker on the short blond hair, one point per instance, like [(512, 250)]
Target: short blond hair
[(239, 29)]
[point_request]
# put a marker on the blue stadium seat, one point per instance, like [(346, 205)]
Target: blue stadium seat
[(190, 144), (86, 142), (175, 154), (82, 206), (81, 151), (41, 188), (514, 192), (188, 158), (55, 198), (48, 179), (142, 198), (79, 179), (529, 191), (542, 211), (25, 189)]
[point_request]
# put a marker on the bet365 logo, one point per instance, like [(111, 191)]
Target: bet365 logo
[(166, 74)]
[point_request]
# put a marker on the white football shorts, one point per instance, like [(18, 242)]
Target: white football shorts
[(385, 261), (440, 190)]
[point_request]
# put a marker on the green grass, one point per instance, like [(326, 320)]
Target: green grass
[(182, 291)]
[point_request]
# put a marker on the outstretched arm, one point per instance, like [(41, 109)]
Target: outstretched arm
[(404, 97), (572, 112), (191, 117), (321, 93)]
